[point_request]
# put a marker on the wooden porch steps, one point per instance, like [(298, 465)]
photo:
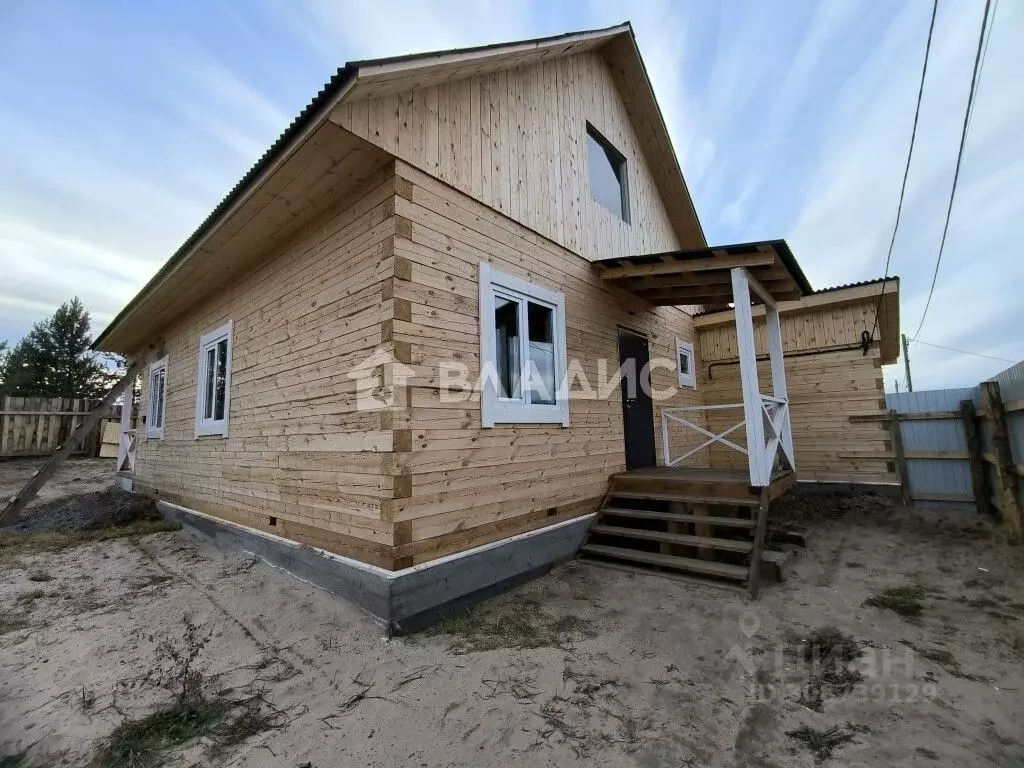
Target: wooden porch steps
[(730, 545), (691, 498), (679, 517), (696, 524), (669, 561)]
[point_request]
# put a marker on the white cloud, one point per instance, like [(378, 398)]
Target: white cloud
[(790, 120)]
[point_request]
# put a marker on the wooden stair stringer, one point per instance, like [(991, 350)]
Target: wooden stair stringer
[(705, 531)]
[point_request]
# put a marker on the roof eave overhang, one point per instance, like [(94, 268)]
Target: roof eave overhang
[(703, 276), (343, 85), (316, 113)]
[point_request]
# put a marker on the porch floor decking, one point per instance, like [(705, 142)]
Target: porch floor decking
[(782, 480)]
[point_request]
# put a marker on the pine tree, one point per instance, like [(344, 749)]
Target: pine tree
[(54, 359)]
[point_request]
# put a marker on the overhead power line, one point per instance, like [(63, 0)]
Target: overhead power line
[(959, 160), (962, 351), (906, 169)]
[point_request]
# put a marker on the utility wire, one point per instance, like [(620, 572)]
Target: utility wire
[(906, 170), (962, 351), (959, 160), (984, 56)]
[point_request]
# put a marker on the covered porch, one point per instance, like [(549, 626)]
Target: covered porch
[(688, 517), (741, 275)]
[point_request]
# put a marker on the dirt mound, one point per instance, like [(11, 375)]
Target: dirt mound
[(802, 509), (85, 512)]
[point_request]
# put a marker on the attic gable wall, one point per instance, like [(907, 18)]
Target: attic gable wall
[(516, 141)]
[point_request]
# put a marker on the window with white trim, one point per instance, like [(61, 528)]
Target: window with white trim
[(157, 398), (686, 361), (213, 385), (522, 352)]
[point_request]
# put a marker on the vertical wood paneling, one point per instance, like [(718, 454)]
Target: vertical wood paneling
[(516, 141)]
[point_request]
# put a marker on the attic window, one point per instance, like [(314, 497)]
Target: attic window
[(608, 180)]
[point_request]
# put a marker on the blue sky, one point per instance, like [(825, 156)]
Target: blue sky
[(124, 123)]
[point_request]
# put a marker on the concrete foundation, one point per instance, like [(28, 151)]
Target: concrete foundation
[(413, 598)]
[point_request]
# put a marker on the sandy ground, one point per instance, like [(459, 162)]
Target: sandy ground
[(632, 670)]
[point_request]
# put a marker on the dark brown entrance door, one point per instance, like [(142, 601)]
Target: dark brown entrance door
[(637, 408)]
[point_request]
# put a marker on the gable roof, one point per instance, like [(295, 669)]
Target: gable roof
[(369, 78)]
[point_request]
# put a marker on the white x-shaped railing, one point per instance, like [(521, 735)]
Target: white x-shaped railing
[(776, 416), (672, 416), (776, 412)]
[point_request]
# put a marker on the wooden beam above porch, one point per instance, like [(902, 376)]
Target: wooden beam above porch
[(703, 276)]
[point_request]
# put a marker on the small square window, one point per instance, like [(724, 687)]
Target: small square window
[(609, 184), (157, 399), (686, 362), (522, 352), (213, 385)]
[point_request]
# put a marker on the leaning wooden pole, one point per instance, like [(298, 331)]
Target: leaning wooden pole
[(38, 480)]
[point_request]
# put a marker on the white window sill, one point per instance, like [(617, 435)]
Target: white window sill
[(512, 414), (212, 429), (155, 434)]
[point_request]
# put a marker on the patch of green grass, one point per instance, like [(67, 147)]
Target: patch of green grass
[(830, 656), (480, 630), (144, 742), (251, 720), (14, 546), (904, 601), (820, 743)]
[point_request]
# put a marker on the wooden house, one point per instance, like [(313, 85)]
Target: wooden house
[(393, 340), (836, 392)]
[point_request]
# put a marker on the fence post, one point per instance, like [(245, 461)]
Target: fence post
[(1006, 472), (901, 457), (3, 424), (978, 483)]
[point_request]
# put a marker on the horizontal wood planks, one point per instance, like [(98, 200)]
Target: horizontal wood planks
[(469, 485), (515, 140), (299, 450), (394, 268), (837, 402)]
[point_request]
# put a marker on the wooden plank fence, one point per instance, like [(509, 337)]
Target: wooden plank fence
[(36, 426), (964, 446)]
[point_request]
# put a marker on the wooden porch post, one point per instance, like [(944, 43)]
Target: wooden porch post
[(752, 411), (779, 389), (128, 405)]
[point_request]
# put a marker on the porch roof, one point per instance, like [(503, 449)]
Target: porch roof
[(703, 276)]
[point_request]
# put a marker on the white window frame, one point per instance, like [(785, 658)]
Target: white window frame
[(160, 366), (686, 348), (495, 409), (213, 426)]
